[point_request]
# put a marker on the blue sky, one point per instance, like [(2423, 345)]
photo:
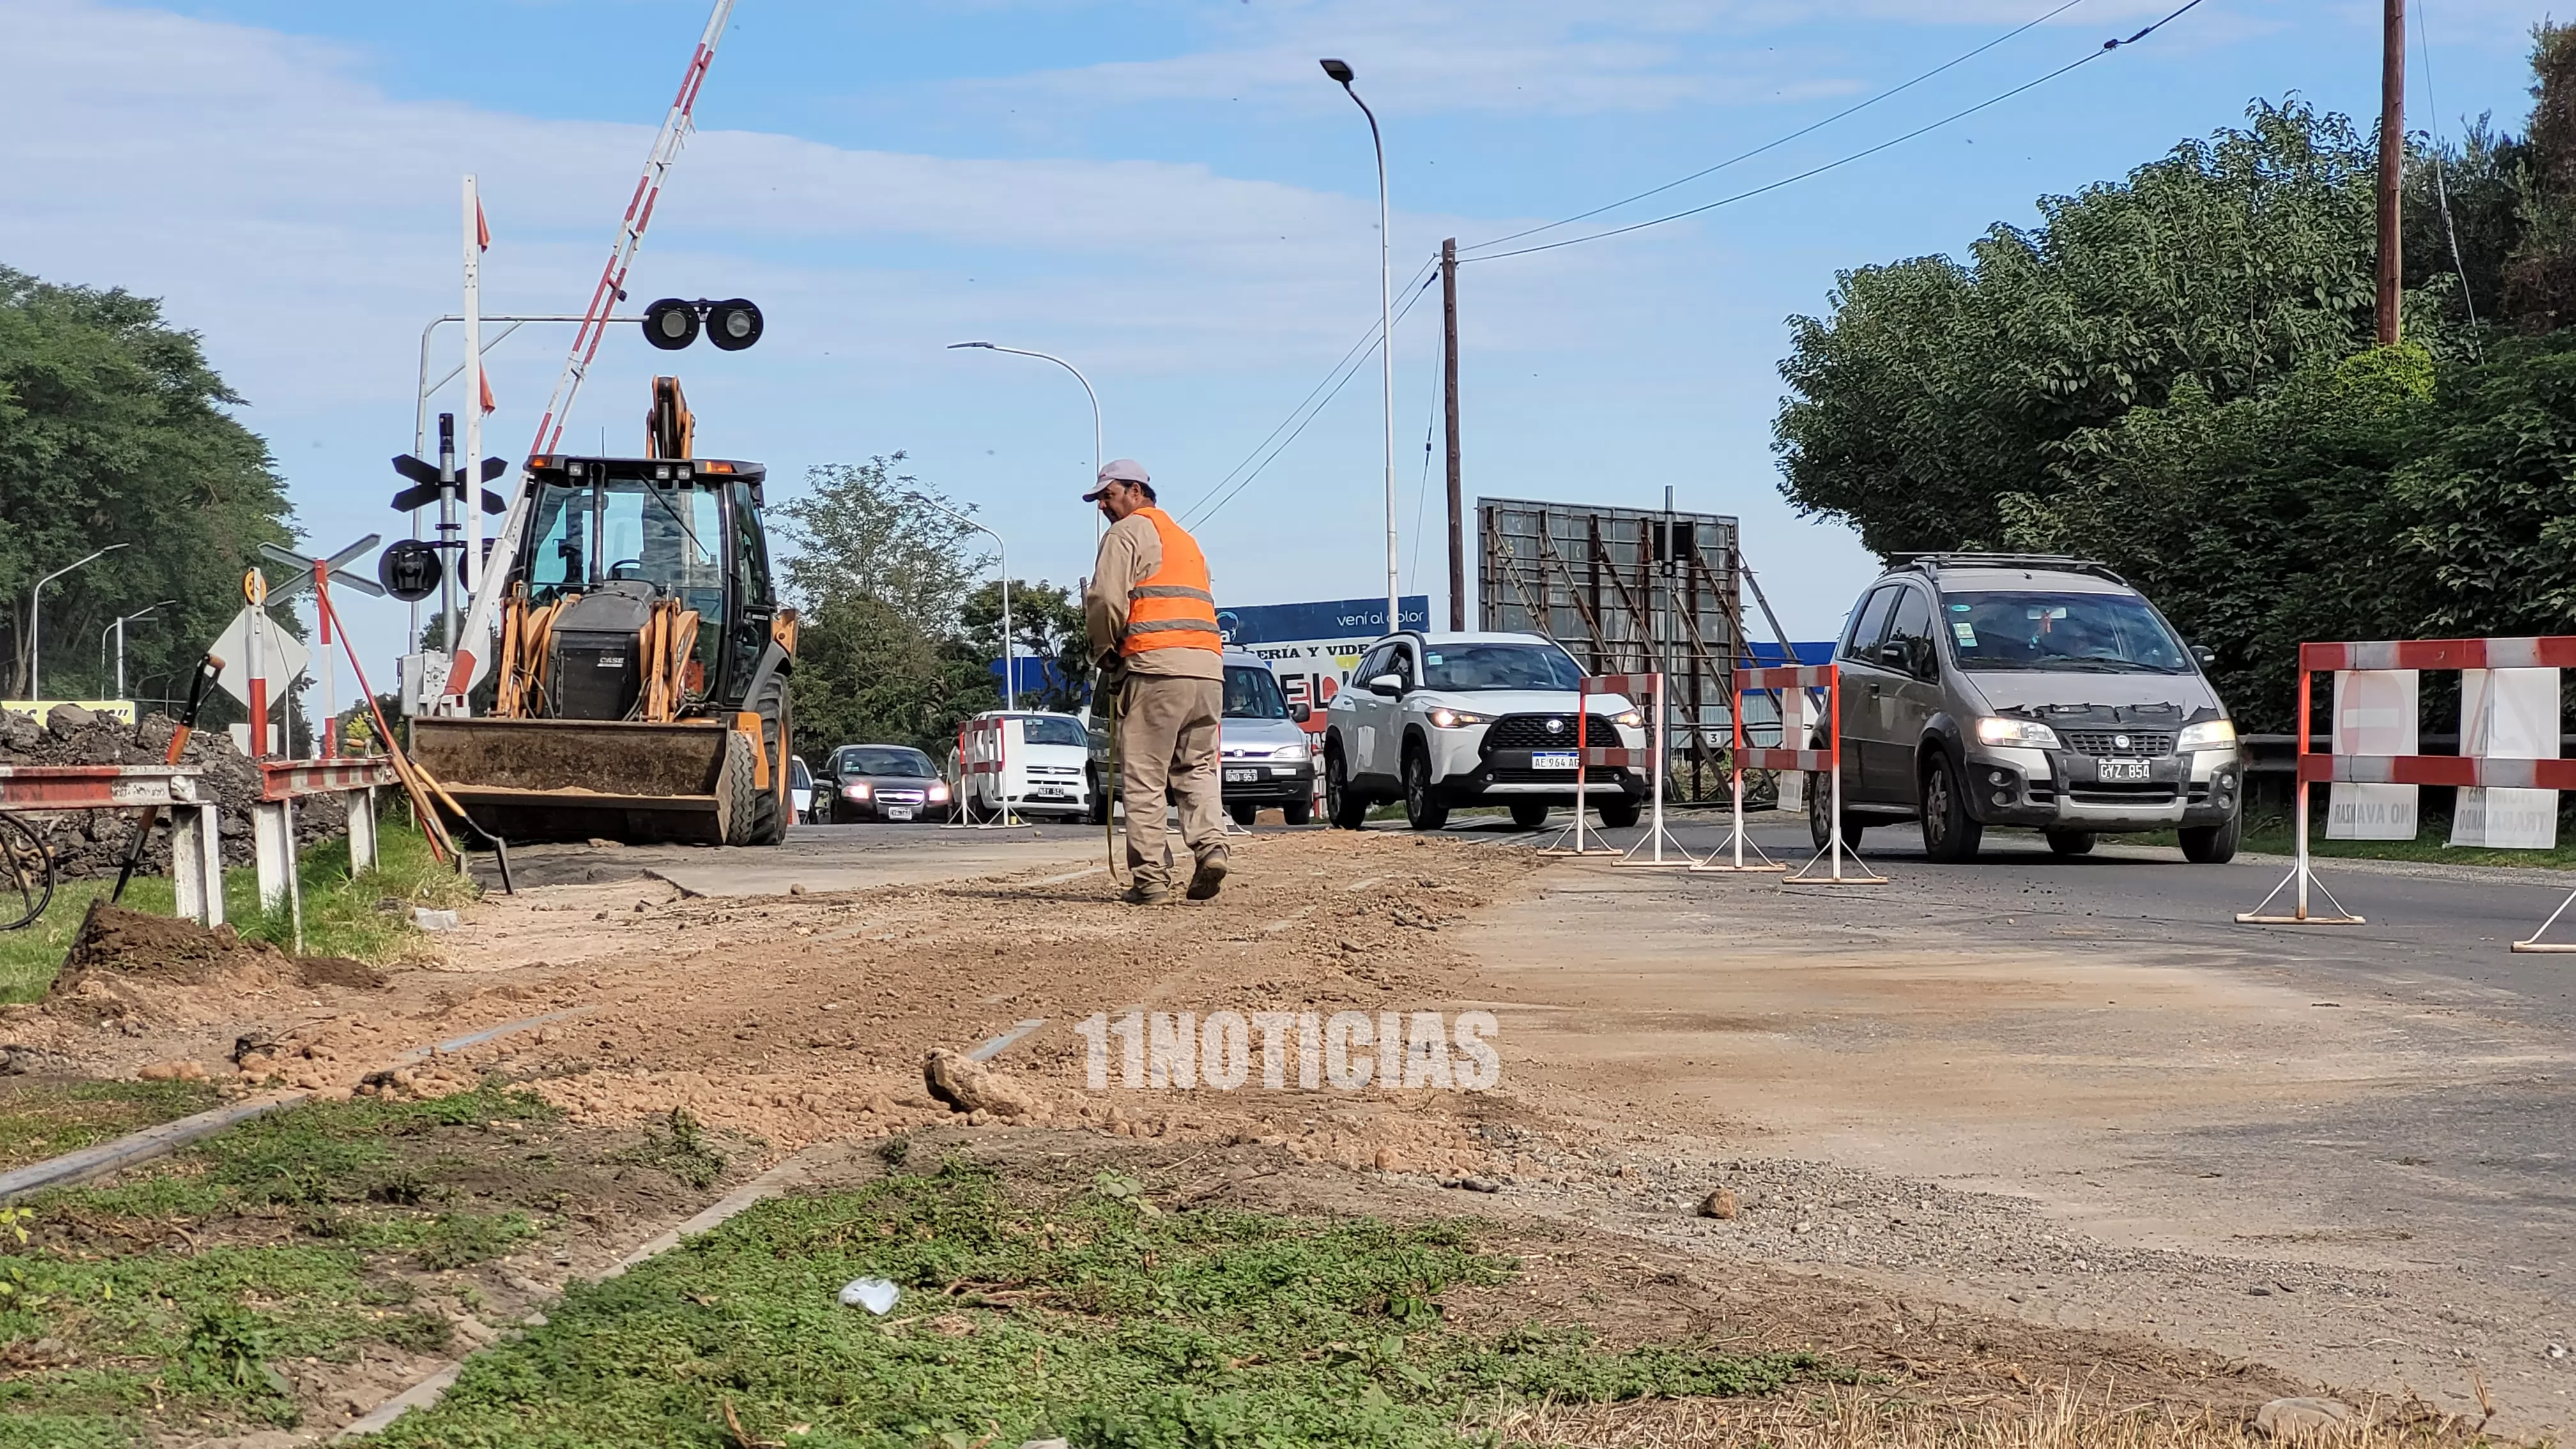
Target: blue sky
[(1171, 194)]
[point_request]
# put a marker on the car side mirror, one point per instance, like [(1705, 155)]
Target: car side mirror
[(1389, 685), (2207, 656), (1895, 655), (1301, 713)]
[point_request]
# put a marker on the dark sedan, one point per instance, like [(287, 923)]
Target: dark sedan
[(883, 782)]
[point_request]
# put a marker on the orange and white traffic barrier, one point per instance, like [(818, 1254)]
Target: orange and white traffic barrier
[(1828, 760), (1636, 688), (2555, 651), (1586, 755), (983, 748), (196, 836)]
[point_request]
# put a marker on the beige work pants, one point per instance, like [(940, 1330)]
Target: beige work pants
[(1167, 737)]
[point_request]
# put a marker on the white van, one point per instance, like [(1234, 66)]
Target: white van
[(1042, 760)]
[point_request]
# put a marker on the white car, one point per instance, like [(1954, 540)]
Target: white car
[(1042, 757), (1442, 720), (800, 787)]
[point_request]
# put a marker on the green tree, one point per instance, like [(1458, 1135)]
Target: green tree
[(1935, 389), (1046, 623), (2490, 537), (114, 429), (881, 578)]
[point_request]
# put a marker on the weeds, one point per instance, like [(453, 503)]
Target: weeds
[(679, 1146), (41, 1120), (1093, 1318)]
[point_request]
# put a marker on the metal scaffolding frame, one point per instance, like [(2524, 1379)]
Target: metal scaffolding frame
[(1589, 577)]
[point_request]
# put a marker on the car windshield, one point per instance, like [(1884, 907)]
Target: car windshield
[(886, 760), (2076, 633), (1498, 666), (1253, 694), (1054, 729)]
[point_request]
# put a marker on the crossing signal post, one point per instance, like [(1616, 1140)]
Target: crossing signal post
[(438, 483), (673, 323)]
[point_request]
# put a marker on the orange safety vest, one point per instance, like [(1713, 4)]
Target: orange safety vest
[(1173, 607)]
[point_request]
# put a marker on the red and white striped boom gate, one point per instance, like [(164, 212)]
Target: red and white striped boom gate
[(1637, 689), (1587, 754), (2547, 651), (196, 848), (354, 778)]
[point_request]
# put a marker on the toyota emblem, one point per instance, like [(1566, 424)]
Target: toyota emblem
[(2119, 742), (1556, 726)]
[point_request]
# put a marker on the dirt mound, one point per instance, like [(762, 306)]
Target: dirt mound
[(122, 960), (94, 842)]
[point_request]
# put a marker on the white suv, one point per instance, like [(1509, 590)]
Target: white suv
[(1441, 720)]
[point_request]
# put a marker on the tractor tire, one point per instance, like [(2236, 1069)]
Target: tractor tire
[(738, 797)]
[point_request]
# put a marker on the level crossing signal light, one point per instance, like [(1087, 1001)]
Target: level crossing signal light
[(673, 323), (426, 484)]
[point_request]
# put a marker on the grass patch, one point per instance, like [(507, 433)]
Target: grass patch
[(47, 1119), (340, 915), (267, 1243), (679, 1146), (1094, 1316)]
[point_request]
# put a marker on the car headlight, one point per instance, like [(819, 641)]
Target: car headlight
[(1454, 719), (1289, 752), (2029, 734), (938, 794), (2209, 734), (1632, 718), (855, 790)]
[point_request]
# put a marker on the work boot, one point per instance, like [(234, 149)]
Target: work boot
[(1208, 879), (1144, 894)]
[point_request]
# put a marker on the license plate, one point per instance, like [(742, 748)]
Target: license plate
[(898, 812), (1241, 777), (2118, 771), (1552, 759)]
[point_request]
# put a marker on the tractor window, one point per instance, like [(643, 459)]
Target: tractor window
[(669, 537), (562, 527)]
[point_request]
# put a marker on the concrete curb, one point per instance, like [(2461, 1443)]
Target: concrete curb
[(152, 1142)]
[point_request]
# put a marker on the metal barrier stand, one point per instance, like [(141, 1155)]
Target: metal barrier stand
[(196, 836), (1835, 851), (1582, 716), (281, 784), (1737, 839), (969, 736), (1656, 834)]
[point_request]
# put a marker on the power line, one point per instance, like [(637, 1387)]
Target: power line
[(1951, 64), (1347, 369), (1990, 102)]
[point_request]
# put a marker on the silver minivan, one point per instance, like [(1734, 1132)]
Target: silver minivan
[(2005, 689)]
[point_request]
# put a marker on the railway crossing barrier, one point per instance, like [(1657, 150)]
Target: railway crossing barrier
[(2557, 651), (196, 840), (1636, 687)]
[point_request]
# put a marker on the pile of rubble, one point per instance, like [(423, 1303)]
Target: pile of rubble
[(94, 842)]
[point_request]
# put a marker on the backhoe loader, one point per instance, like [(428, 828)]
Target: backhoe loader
[(640, 680)]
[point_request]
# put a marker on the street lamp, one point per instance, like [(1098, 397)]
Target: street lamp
[(118, 629), (1341, 72), (1010, 699), (36, 620), (1086, 391)]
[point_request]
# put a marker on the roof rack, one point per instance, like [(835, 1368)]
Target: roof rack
[(1933, 563)]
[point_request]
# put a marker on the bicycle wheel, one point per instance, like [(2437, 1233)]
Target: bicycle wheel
[(26, 873)]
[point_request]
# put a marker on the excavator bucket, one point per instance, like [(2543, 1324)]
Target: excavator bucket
[(548, 779)]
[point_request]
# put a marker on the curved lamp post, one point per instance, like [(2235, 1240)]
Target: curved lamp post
[(36, 620), (1341, 72), (118, 629), (1086, 392)]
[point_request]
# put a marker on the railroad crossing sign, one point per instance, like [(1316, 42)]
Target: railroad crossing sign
[(338, 564), (427, 484), (282, 656)]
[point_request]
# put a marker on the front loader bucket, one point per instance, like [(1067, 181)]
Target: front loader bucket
[(548, 779)]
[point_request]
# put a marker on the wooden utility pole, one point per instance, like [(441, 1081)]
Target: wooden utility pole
[(2392, 163), (1449, 408)]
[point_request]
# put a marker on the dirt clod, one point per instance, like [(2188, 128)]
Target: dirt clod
[(970, 1086), (1719, 1204)]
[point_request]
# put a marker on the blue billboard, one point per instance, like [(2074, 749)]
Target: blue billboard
[(1332, 619)]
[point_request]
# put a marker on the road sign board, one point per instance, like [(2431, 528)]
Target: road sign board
[(282, 656)]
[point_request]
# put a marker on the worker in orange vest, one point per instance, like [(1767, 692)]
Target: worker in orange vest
[(1151, 616)]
